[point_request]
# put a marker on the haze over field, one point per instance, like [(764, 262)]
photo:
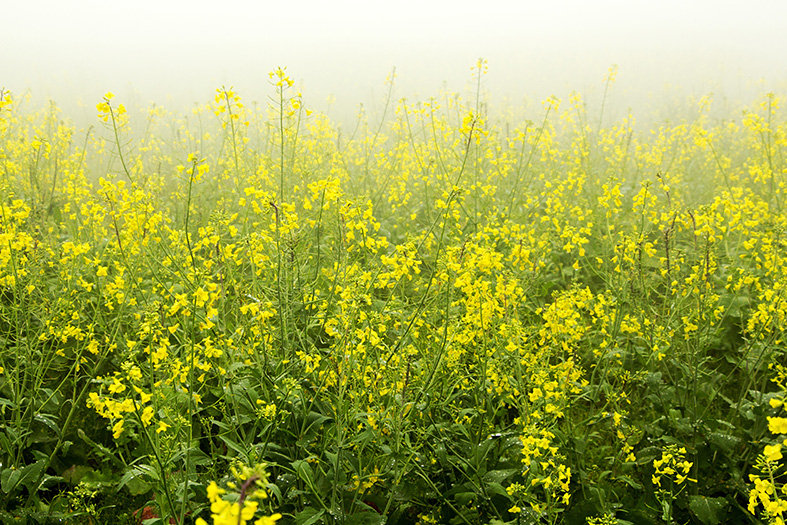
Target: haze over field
[(179, 51)]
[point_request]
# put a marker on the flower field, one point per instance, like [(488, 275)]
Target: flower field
[(444, 314)]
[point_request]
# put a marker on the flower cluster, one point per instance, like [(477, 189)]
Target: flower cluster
[(239, 502)]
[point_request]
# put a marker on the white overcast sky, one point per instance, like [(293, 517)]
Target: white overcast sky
[(183, 49)]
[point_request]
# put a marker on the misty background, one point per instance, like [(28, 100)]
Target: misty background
[(177, 52)]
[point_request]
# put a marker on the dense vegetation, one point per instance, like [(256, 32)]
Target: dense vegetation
[(444, 316)]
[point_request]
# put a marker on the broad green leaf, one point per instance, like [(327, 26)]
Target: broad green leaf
[(309, 516), (723, 441), (709, 511), (498, 476), (9, 478)]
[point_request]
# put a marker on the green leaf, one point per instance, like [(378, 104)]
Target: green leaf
[(241, 451), (9, 478), (75, 473), (465, 498), (49, 480), (135, 478), (630, 482), (498, 476), (304, 471), (309, 516), (725, 442), (496, 488), (365, 518), (709, 511), (48, 422)]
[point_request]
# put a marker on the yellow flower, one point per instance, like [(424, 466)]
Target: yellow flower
[(777, 425), (214, 491), (116, 387), (144, 397), (268, 520), (117, 429), (201, 297), (147, 415), (673, 465), (773, 452), (162, 427)]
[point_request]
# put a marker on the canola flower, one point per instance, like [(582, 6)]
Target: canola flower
[(768, 495), (672, 465), (243, 511), (513, 309)]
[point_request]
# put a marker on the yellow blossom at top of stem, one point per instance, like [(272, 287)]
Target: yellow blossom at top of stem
[(280, 78), (777, 425), (773, 452)]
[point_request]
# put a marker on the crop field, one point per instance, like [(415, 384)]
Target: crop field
[(442, 314)]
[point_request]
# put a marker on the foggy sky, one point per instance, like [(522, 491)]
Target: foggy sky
[(179, 51)]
